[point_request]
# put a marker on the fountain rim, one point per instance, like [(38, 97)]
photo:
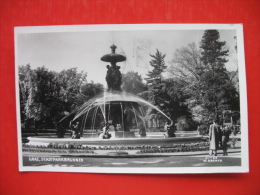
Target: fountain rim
[(113, 57), (132, 141)]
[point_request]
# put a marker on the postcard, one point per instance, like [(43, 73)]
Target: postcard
[(132, 98)]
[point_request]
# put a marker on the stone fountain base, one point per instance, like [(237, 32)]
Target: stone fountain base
[(130, 147)]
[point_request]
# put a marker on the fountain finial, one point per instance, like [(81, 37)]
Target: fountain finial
[(113, 48)]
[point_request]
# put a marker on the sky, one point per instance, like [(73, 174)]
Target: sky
[(63, 50)]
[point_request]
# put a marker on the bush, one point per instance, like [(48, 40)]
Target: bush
[(185, 124)]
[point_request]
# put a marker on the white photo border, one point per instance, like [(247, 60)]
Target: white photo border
[(145, 27)]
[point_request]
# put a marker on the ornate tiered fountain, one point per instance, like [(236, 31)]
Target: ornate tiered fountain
[(122, 110)]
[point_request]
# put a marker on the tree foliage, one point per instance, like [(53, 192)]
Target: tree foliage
[(133, 83), (46, 95), (221, 94), (155, 77), (205, 79), (92, 89), (165, 93), (158, 64), (172, 99), (186, 65), (213, 53)]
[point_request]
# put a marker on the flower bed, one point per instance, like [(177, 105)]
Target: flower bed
[(73, 148), (192, 147)]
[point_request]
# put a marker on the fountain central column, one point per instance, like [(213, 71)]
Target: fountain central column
[(113, 76)]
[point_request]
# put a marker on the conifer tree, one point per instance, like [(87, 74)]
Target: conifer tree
[(154, 80), (213, 51), (216, 89), (158, 65)]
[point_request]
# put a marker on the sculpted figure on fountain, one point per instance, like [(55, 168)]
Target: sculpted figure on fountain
[(113, 77)]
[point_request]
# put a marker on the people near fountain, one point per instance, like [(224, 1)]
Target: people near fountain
[(214, 131), (71, 126), (61, 130), (126, 119), (99, 131), (169, 129), (111, 126), (225, 138), (118, 127), (105, 134), (74, 125), (105, 130), (142, 131), (220, 144)]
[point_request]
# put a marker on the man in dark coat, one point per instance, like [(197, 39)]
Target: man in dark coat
[(225, 138)]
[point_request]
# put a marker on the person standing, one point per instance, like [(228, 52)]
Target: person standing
[(168, 128), (75, 129), (225, 138), (142, 131), (126, 119), (220, 128), (106, 129), (213, 138)]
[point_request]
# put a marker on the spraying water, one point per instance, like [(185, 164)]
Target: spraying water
[(106, 97)]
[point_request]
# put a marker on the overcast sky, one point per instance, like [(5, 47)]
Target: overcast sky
[(63, 50)]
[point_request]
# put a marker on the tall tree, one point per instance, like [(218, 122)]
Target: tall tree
[(213, 53), (154, 80), (158, 65), (26, 75), (217, 90)]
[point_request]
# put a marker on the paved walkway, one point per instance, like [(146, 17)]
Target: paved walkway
[(181, 160)]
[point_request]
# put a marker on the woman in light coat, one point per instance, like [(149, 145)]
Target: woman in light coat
[(213, 138)]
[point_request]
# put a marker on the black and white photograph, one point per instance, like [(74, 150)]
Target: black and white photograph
[(146, 98)]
